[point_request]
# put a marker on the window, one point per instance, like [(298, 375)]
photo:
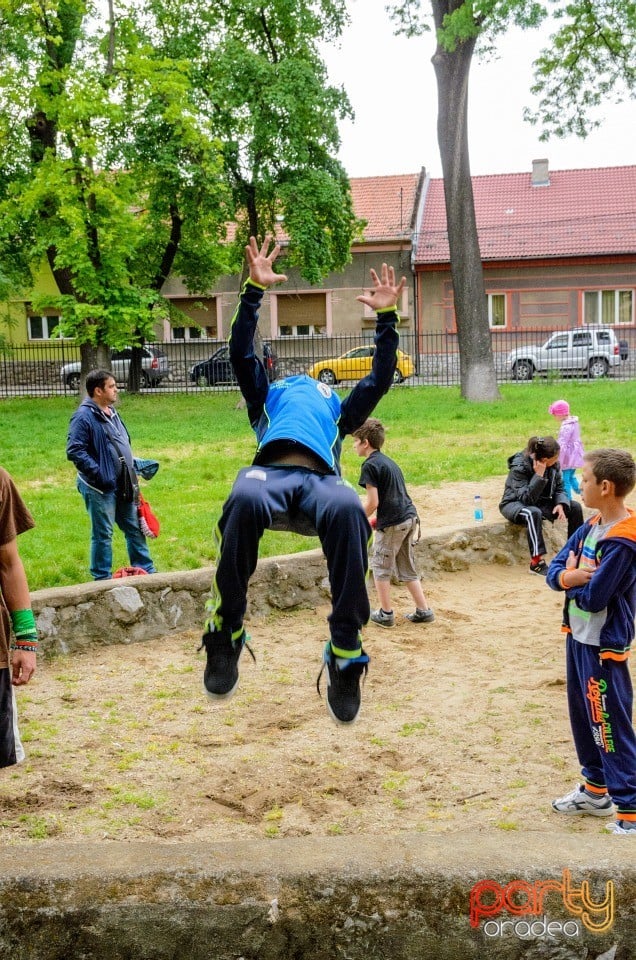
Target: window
[(497, 309), (301, 314), (608, 306), (300, 330), (42, 328), (559, 342), (192, 333)]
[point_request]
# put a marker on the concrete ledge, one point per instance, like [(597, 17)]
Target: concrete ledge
[(145, 608), (401, 897)]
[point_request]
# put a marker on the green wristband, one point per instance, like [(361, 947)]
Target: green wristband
[(23, 623)]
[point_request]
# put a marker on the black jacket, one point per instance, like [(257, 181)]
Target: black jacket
[(525, 488)]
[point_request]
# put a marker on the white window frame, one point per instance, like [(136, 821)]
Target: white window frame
[(497, 326), (599, 321), (46, 333)]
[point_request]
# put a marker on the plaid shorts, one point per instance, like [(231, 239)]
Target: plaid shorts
[(393, 552)]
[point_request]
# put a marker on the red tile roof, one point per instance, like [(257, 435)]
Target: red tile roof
[(581, 213), (388, 204)]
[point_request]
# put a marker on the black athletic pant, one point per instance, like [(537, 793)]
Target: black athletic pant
[(299, 499), (532, 518)]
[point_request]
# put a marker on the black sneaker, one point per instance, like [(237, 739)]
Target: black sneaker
[(343, 684), (221, 676), (540, 568)]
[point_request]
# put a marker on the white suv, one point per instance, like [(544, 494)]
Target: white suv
[(590, 350)]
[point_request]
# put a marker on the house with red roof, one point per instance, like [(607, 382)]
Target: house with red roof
[(558, 249), (390, 207)]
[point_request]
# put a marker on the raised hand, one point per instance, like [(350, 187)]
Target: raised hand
[(385, 292), (260, 262)]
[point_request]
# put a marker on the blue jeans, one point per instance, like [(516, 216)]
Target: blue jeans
[(105, 510)]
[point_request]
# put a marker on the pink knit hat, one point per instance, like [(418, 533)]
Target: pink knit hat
[(560, 408)]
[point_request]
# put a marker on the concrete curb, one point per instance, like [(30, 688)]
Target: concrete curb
[(318, 899)]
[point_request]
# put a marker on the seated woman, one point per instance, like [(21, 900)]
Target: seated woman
[(534, 492)]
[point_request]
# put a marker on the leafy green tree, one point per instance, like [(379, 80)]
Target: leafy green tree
[(107, 170), (264, 89), (131, 137), (591, 54)]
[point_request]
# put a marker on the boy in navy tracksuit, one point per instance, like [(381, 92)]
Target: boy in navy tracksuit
[(597, 570), (294, 483)]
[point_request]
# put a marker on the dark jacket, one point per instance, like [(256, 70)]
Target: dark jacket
[(612, 587), (301, 410), (89, 448), (525, 488)]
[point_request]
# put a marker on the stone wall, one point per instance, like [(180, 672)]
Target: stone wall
[(144, 608)]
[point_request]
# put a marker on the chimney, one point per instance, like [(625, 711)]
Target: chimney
[(540, 175)]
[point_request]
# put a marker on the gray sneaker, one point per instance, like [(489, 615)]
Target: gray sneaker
[(382, 618), (580, 802), (421, 616)]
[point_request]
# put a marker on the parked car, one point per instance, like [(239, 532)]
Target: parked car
[(590, 350), (355, 364), (154, 367), (218, 369)]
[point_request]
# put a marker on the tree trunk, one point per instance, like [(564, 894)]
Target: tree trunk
[(477, 368), (92, 358)]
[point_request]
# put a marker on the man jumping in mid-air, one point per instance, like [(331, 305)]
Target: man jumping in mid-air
[(294, 484)]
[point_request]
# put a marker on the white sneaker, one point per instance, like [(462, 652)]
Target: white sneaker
[(618, 827), (580, 802)]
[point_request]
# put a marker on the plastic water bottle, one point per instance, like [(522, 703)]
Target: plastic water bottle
[(478, 509)]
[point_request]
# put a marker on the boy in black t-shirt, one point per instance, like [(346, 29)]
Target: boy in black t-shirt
[(396, 525)]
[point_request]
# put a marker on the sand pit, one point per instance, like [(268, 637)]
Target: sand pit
[(464, 725)]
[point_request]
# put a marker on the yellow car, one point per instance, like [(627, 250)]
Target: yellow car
[(355, 364)]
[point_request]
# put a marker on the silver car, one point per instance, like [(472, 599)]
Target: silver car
[(154, 367)]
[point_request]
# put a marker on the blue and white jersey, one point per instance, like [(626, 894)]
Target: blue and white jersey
[(303, 410)]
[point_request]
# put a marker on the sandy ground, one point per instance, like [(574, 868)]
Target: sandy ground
[(463, 727)]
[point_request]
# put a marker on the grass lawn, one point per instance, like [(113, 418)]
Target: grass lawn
[(202, 440)]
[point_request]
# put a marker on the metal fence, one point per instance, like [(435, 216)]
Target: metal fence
[(36, 368)]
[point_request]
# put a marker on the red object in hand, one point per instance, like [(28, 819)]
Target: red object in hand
[(373, 522)]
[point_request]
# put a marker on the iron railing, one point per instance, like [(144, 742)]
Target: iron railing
[(35, 368)]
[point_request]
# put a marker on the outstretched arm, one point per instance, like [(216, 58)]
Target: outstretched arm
[(248, 368), (383, 298)]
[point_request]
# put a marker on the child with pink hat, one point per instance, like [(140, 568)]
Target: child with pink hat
[(571, 453)]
